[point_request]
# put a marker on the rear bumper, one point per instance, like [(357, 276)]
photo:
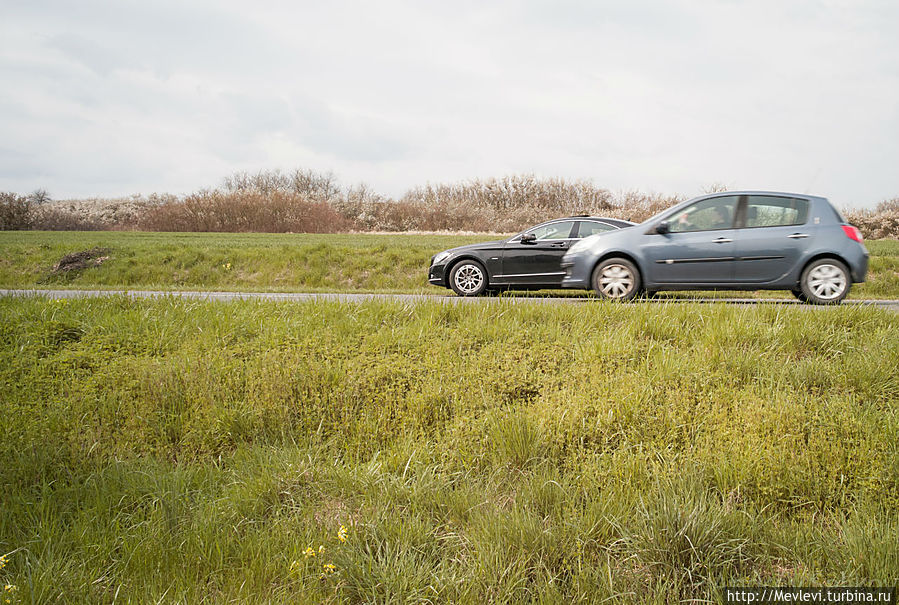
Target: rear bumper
[(859, 268)]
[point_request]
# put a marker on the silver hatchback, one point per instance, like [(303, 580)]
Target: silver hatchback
[(736, 240)]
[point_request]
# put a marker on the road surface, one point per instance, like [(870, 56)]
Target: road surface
[(349, 297)]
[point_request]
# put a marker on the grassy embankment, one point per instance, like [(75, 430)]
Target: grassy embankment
[(278, 262), (178, 451)]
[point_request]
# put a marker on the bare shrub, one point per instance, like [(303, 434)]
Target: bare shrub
[(63, 219), (92, 214), (244, 211), (891, 205), (878, 224), (515, 202), (40, 196), (314, 186), (15, 212)]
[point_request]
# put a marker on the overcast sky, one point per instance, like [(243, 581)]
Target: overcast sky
[(114, 98)]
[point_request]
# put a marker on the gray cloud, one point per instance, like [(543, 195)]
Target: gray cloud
[(117, 97)]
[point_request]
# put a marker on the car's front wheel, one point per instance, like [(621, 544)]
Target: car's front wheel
[(825, 282), (616, 279), (468, 278)]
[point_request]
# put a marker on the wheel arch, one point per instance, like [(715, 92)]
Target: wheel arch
[(464, 257), (819, 256), (619, 254)]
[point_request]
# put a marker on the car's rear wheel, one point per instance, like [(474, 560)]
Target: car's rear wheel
[(468, 278), (825, 282), (797, 292), (616, 279)]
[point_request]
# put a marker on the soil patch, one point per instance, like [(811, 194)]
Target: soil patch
[(76, 261)]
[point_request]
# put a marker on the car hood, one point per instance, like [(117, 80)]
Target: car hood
[(479, 246)]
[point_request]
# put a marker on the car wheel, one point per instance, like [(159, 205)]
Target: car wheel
[(616, 279), (468, 278), (825, 282)]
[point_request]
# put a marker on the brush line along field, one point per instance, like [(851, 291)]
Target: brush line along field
[(279, 262), (255, 452)]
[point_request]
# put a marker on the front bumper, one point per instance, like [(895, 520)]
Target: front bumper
[(577, 271), (437, 275)]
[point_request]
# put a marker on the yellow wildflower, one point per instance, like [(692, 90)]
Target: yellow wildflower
[(341, 534), (309, 552), (329, 568), (321, 548)]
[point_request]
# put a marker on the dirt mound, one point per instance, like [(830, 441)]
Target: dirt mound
[(77, 261)]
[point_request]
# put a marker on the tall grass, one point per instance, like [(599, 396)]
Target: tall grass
[(170, 450)]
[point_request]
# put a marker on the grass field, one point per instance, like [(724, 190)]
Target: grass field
[(176, 451), (279, 262)]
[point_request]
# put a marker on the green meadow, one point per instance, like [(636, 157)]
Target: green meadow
[(172, 451), (279, 262)]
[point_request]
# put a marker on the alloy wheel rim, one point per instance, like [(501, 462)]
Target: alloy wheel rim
[(469, 278), (616, 281), (827, 281)]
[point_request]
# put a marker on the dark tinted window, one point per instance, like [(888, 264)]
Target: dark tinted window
[(592, 227), (771, 211), (559, 230), (705, 215)]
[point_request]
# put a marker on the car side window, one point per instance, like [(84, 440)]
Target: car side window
[(771, 211), (560, 230), (587, 228), (705, 215)]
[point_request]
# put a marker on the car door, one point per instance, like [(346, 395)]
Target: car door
[(699, 246), (773, 236), (538, 262)]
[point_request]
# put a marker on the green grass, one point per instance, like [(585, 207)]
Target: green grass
[(182, 451), (228, 261), (283, 262)]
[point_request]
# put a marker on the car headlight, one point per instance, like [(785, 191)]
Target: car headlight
[(442, 256)]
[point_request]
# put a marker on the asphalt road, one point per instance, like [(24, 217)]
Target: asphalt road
[(893, 305)]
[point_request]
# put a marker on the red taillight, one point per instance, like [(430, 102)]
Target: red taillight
[(852, 233)]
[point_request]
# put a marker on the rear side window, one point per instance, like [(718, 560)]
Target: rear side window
[(771, 211), (560, 230), (587, 228)]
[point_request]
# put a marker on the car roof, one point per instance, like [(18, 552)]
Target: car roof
[(588, 217), (759, 192)]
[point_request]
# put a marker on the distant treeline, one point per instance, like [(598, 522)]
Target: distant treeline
[(305, 201)]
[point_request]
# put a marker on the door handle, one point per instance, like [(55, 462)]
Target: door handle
[(723, 240), (798, 235), (560, 245)]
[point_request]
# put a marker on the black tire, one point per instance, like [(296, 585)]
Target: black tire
[(616, 279), (468, 278), (797, 292), (825, 281)]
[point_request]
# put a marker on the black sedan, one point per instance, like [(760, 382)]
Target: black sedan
[(527, 261)]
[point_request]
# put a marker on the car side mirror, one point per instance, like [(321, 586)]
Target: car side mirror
[(663, 227), (528, 238)]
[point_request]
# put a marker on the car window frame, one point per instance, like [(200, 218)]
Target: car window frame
[(589, 220), (743, 211), (574, 227), (734, 218)]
